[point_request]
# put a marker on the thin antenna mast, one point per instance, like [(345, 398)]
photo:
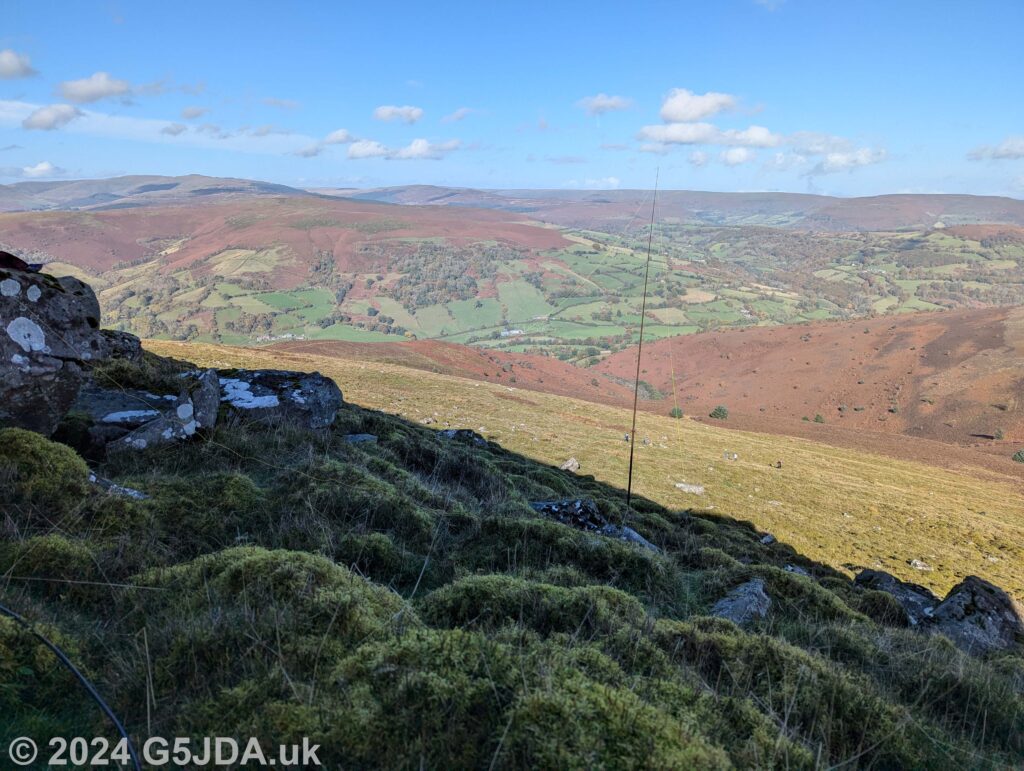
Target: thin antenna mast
[(640, 346)]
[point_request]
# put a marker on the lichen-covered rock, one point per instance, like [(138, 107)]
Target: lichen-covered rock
[(979, 617), (49, 329), (121, 345), (124, 419), (302, 399), (206, 397), (917, 601), (571, 465), (744, 604)]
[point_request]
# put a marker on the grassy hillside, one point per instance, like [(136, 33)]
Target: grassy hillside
[(401, 605), (842, 507)]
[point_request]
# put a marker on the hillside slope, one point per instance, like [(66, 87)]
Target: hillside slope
[(842, 507), (400, 604), (956, 377)]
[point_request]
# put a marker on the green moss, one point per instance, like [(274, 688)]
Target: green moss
[(39, 477), (496, 600)]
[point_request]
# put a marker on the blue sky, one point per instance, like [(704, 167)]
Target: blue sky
[(795, 95)]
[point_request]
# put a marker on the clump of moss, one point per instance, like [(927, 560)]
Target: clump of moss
[(494, 600), (156, 374), (39, 474)]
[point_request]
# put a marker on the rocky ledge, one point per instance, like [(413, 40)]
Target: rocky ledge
[(60, 374)]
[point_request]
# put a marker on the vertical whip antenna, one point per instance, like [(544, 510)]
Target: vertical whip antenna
[(640, 346)]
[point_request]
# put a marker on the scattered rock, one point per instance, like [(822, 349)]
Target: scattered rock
[(114, 489), (979, 617), (361, 438), (797, 570), (777, 464), (48, 334), (303, 399), (917, 601), (767, 539), (692, 489), (570, 465), (730, 456), (583, 514), (744, 604), (919, 565), (463, 435)]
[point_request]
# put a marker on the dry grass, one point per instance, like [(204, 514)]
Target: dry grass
[(838, 506)]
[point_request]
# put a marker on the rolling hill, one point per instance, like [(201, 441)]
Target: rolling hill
[(245, 262)]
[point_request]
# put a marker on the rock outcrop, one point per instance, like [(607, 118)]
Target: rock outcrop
[(917, 601), (306, 400), (49, 333), (583, 514), (977, 616)]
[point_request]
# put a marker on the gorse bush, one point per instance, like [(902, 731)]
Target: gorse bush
[(719, 413), (403, 606)]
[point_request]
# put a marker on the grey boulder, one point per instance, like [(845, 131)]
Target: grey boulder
[(979, 617), (303, 399), (745, 604), (49, 331), (917, 601)]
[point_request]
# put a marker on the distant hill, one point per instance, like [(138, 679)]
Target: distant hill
[(132, 191), (600, 209)]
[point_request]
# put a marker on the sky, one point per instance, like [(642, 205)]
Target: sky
[(824, 96)]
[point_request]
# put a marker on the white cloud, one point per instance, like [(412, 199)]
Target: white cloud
[(51, 117), (191, 113), (406, 114), (698, 158), (654, 147), (14, 65), (599, 104), (149, 130), (367, 148), (422, 149), (684, 106), (734, 156), (174, 129), (847, 161), (41, 170), (783, 161), (339, 137), (418, 149), (614, 146), (753, 136), (459, 114), (310, 151), (1010, 149), (708, 134), (93, 88), (681, 134)]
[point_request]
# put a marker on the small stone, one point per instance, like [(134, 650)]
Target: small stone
[(744, 604), (570, 465), (691, 489), (361, 438), (919, 565), (767, 539)]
